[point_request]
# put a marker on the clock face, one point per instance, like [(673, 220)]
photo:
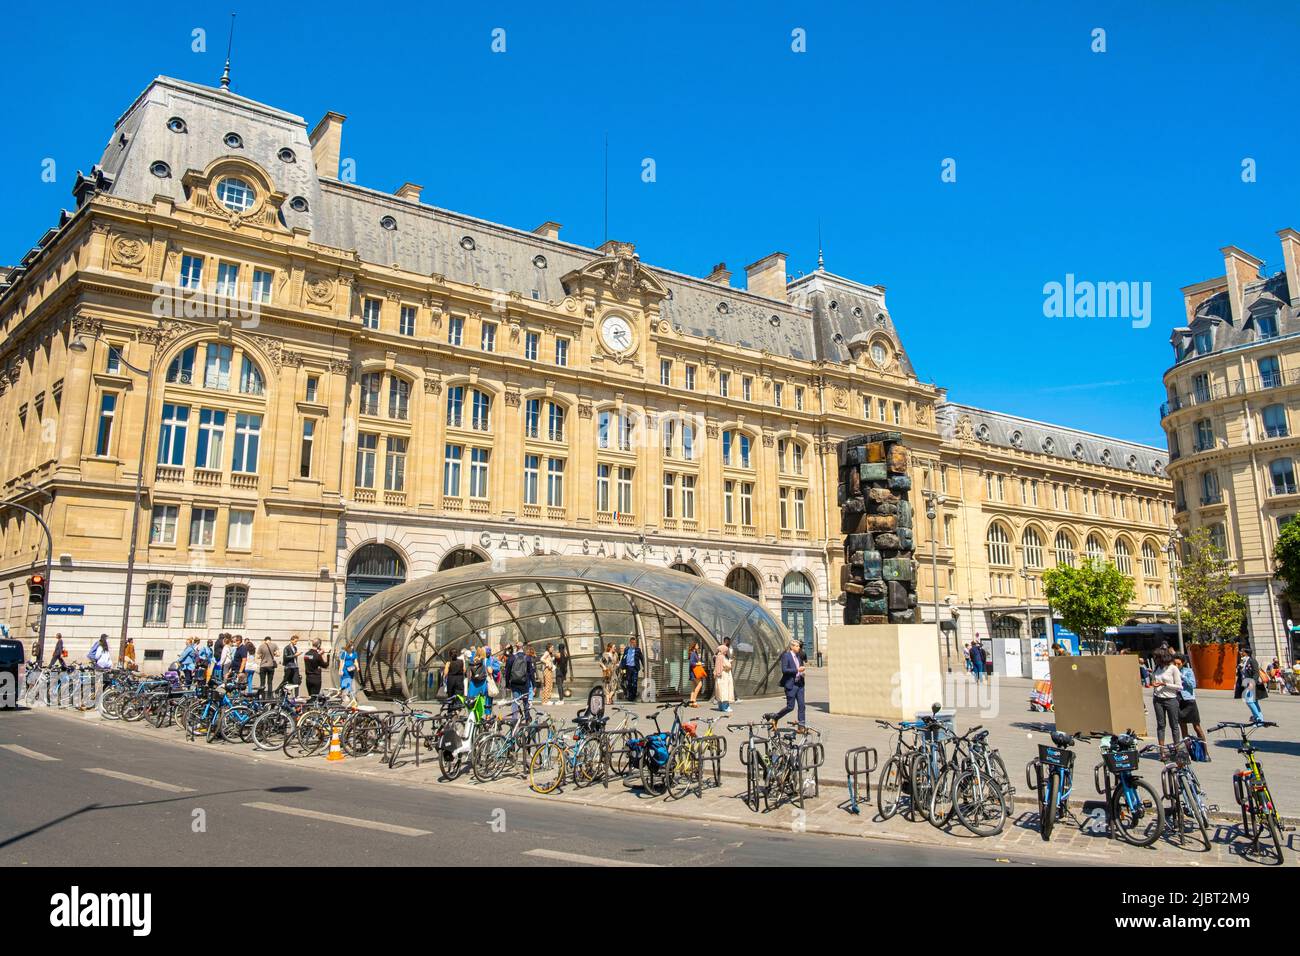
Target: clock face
[(616, 333)]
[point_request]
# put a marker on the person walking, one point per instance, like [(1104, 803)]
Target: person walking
[(188, 660), (289, 658), (609, 671), (266, 665), (348, 681), (965, 653), (1249, 686), (723, 684), (792, 682), (232, 659), (203, 665), (128, 655), (1189, 712), (1167, 680), (477, 672), (561, 670), (633, 660), (250, 664), (58, 654), (313, 663), (520, 675), (531, 653), (695, 667), (977, 660)]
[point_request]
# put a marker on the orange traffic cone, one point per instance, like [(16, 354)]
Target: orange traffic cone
[(336, 748)]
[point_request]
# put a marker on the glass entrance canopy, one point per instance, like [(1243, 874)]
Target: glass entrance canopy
[(404, 635)]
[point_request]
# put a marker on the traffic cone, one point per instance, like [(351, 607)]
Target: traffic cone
[(336, 748)]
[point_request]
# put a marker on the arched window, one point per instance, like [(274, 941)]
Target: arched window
[(1282, 473), (1064, 550), (684, 569), (480, 411), (250, 378), (1033, 545), (157, 603), (376, 561), (796, 584), (999, 545), (1094, 549), (1275, 421), (196, 605), (234, 606), (1123, 557), (458, 558), (616, 429), (1150, 561), (1006, 628), (743, 580), (736, 449)]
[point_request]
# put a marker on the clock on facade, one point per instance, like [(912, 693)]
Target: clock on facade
[(616, 333)]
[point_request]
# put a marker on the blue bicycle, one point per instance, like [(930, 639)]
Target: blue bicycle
[(1051, 776), (1133, 808)]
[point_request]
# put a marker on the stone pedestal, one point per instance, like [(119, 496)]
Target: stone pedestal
[(1097, 694), (889, 671)]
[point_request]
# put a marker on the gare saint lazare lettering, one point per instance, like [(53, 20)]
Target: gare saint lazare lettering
[(536, 544)]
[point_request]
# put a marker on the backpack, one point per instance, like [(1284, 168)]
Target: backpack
[(519, 669), (479, 673)]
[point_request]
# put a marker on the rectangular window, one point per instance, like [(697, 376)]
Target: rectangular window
[(233, 605), (784, 508), (798, 399), (451, 471), (367, 446), (670, 493), (747, 503), (455, 406), (665, 371), (455, 330), (602, 487), (157, 603), (532, 465), (399, 398), (191, 272), (747, 388), (688, 497), (210, 443), (800, 509), (308, 438), (881, 406), (1270, 372), (561, 352), (690, 378), (406, 320), (532, 417), (625, 490), (239, 535), (555, 482), (668, 432), (394, 464), (248, 436), (227, 279), (728, 502), (531, 342), (313, 385), (107, 411), (796, 459), (162, 529), (724, 384), (370, 313), (778, 394), (555, 422), (488, 340), (688, 441), (898, 413), (203, 527), (196, 605), (261, 286), (114, 364), (478, 472), (216, 369), (171, 434), (481, 420)]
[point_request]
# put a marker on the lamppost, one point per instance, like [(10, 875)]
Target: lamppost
[(932, 502), (1029, 614), (79, 345), (1175, 538), (49, 560)]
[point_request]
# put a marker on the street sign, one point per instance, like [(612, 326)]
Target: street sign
[(72, 609)]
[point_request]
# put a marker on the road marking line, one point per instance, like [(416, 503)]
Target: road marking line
[(579, 858), (27, 753), (335, 818), (142, 781)]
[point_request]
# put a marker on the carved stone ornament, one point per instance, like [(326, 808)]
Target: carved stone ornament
[(512, 399), (340, 366), (432, 386), (768, 439), (319, 290), (922, 413), (711, 429), (127, 251), (965, 428), (584, 409), (277, 353), (86, 325), (841, 397), (163, 332)]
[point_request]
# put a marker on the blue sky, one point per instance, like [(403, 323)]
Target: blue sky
[(1116, 166)]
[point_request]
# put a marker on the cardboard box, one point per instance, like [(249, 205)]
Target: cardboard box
[(1097, 694)]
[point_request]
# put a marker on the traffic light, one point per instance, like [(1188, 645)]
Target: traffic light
[(36, 589)]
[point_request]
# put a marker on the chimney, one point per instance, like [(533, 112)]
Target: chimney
[(1291, 255), (766, 277), (326, 143), (409, 191), (548, 230), (1240, 267), (720, 275)]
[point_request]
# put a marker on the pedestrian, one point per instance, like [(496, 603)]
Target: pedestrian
[(189, 660), (250, 664), (313, 664), (561, 670), (977, 660), (493, 667), (477, 666), (266, 665), (723, 684), (1249, 686), (58, 654), (792, 682), (100, 656), (520, 675), (633, 660), (348, 677), (128, 661), (232, 659), (609, 671), (548, 673), (695, 667), (1189, 712), (1168, 683), (290, 660), (965, 653)]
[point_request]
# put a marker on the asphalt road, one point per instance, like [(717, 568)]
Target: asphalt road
[(76, 793)]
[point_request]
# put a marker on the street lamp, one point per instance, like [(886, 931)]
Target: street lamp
[(49, 560), (1175, 538), (78, 345), (932, 502), (1029, 614)]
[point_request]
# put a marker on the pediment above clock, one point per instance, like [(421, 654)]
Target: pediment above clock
[(619, 271)]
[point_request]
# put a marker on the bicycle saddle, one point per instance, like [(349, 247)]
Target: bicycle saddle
[(980, 737), (1125, 741), (1062, 739)]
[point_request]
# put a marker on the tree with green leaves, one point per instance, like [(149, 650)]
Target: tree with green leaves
[(1212, 611), (1286, 559), (1089, 598)]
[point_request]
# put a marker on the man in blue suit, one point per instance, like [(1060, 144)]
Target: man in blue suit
[(792, 683)]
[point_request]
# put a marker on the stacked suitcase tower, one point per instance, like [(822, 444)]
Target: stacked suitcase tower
[(879, 573)]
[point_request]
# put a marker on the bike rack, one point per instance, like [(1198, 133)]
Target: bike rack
[(859, 764), (708, 750), (810, 757)]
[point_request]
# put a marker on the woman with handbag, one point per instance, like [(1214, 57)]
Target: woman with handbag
[(561, 670), (548, 673), (1249, 687), (609, 672), (723, 685), (695, 667)]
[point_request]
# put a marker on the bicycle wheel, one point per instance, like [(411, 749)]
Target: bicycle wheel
[(313, 733), (589, 762), (110, 702), (683, 770), (235, 724), (654, 779), (1269, 843), (361, 735), (1049, 808), (776, 782), (452, 760), (977, 801), (890, 788), (753, 780), (998, 771), (1138, 814), (941, 798), (1193, 804), (546, 768), (132, 709), (269, 729), (486, 756), (922, 779)]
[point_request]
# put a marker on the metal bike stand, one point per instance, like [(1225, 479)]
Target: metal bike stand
[(810, 757), (708, 751), (859, 765)]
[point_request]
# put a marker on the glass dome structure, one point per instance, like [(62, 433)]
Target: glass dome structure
[(404, 635)]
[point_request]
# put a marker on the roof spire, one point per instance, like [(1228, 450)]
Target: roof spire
[(230, 42), (821, 261)]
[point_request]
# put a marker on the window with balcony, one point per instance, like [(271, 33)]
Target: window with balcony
[(1275, 421), (1270, 372), (688, 497), (554, 421), (1282, 473), (456, 406), (395, 463), (555, 482), (171, 434), (1204, 435), (603, 473), (1201, 387), (209, 445), (478, 472), (367, 447), (452, 458), (371, 383), (670, 495), (481, 411), (532, 470), (747, 504), (399, 398), (625, 490)]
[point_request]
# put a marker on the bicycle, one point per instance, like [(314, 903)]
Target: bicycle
[(1051, 776), (581, 756), (508, 744), (1133, 809), (969, 789), (1181, 790), (689, 755), (928, 761), (455, 741), (421, 727), (895, 775), (1260, 820), (753, 743)]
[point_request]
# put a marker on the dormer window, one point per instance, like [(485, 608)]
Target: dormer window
[(161, 169), (1049, 446), (389, 223), (286, 155), (983, 433), (1105, 456), (177, 125), (1017, 439), (235, 194), (1266, 326), (234, 141), (1203, 342), (298, 204), (1077, 451)]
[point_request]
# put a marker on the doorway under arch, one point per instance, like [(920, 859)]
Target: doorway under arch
[(797, 607), (684, 568), (743, 581), (371, 569)]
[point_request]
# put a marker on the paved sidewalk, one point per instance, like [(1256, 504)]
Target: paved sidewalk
[(822, 814)]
